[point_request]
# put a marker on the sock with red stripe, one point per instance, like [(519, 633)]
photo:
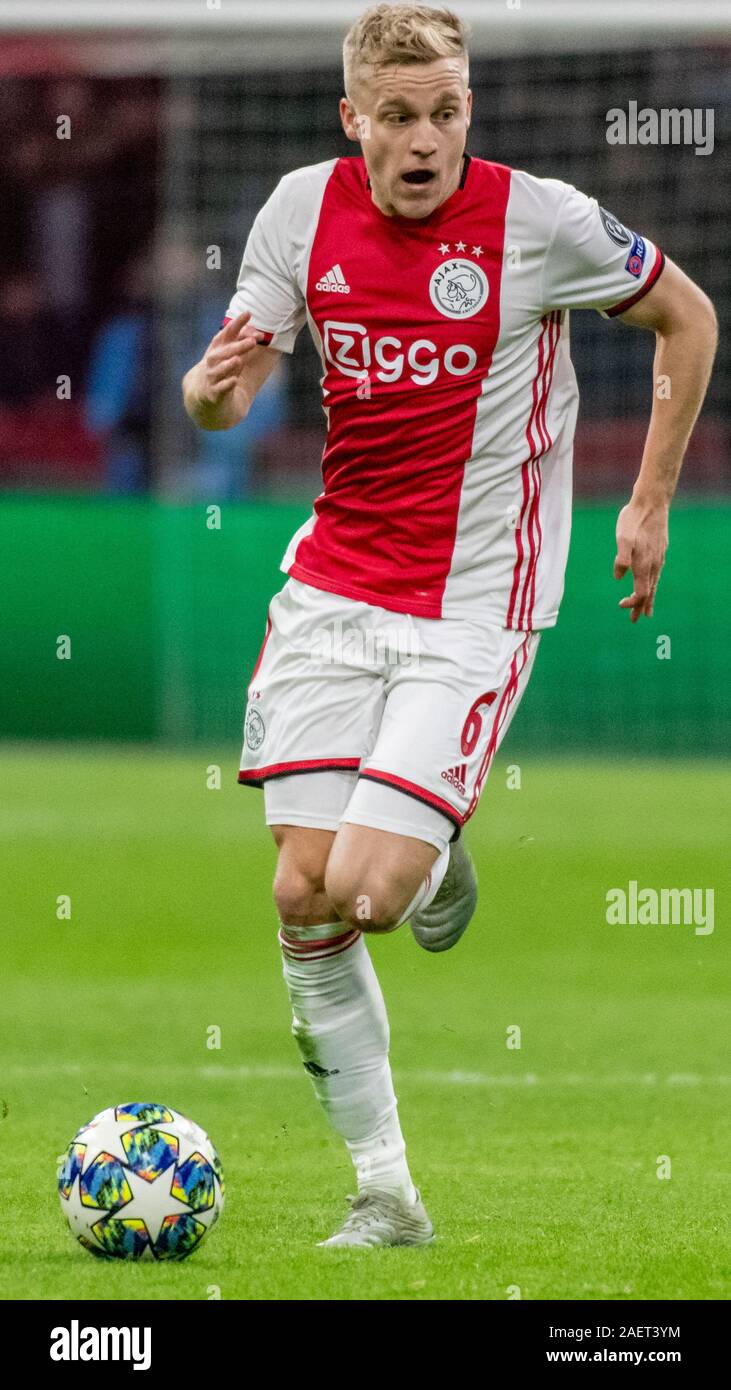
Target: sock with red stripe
[(341, 1028)]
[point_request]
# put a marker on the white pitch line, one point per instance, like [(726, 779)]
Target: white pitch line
[(278, 1072)]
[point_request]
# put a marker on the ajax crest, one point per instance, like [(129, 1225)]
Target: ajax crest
[(459, 288), (254, 731)]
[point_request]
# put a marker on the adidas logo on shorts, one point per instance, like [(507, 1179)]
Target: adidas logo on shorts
[(334, 282), (457, 776)]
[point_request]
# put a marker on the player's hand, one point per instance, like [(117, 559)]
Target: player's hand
[(223, 361), (642, 541)]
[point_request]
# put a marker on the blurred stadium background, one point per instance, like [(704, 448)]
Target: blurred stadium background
[(185, 113)]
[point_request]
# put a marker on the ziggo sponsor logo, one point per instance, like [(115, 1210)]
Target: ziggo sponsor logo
[(348, 348)]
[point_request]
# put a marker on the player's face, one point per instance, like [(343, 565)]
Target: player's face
[(412, 123)]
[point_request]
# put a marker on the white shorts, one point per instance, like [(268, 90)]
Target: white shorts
[(407, 712)]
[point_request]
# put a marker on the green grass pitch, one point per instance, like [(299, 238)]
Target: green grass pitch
[(538, 1165)]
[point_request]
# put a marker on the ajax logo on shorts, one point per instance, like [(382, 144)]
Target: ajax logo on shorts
[(254, 730), (459, 288)]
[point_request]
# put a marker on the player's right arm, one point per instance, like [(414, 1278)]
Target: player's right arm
[(218, 390)]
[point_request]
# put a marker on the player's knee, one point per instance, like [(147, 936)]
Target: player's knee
[(367, 905), (297, 894)]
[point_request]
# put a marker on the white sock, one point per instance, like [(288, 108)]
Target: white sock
[(341, 1028), (427, 891)]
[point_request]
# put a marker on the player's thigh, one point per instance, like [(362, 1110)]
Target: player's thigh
[(303, 812), (372, 874), (323, 875), (446, 715), (299, 880), (305, 849)]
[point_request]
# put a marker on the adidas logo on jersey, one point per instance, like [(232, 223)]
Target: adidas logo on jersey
[(334, 282), (457, 776)]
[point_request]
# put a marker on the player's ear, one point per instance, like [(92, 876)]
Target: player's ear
[(349, 119)]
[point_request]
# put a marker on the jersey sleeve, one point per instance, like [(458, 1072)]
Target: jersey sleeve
[(594, 262), (267, 284)]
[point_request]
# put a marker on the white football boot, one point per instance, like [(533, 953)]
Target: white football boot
[(379, 1218), (439, 926)]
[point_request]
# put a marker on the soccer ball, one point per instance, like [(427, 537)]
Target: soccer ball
[(140, 1182)]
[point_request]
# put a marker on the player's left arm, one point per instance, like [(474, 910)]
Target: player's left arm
[(684, 322)]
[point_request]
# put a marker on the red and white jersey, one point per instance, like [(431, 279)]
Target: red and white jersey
[(448, 387)]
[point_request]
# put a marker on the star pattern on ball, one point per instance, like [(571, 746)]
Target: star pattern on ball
[(146, 1204), (107, 1135), (140, 1181)]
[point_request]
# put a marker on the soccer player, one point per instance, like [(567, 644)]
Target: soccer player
[(437, 287)]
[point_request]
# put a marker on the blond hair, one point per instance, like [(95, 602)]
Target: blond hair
[(402, 34)]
